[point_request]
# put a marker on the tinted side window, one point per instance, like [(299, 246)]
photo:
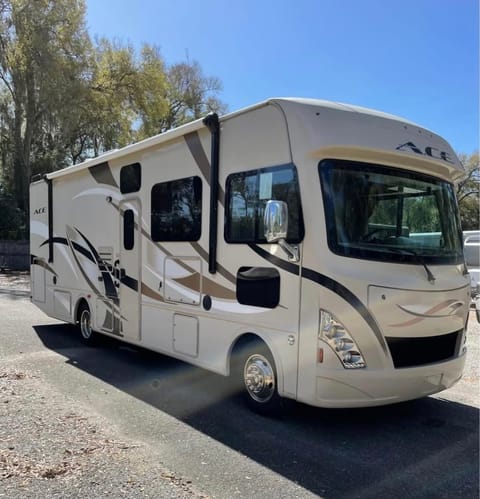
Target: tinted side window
[(130, 178), (176, 213), (128, 229), (247, 195)]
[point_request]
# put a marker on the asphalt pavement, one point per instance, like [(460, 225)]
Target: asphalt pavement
[(138, 424)]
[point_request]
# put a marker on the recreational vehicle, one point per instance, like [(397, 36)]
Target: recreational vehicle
[(309, 250)]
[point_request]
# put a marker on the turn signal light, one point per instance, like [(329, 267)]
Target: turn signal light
[(339, 339)]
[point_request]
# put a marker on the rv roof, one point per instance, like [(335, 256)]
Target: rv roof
[(197, 124), (345, 107)]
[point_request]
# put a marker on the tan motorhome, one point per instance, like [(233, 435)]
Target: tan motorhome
[(309, 249)]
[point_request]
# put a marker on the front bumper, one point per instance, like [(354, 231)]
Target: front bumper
[(364, 388)]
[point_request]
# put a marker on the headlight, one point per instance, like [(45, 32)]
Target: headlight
[(339, 339)]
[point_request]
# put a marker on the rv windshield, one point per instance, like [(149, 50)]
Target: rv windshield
[(381, 213)]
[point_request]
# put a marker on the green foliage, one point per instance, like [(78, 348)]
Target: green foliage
[(41, 63), (151, 92), (12, 221), (422, 214), (468, 192), (64, 98), (190, 95)]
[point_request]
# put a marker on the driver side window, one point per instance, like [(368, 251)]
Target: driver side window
[(247, 196)]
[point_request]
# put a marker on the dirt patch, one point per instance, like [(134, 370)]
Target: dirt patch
[(48, 447)]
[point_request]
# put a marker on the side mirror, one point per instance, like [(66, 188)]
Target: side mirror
[(275, 221)]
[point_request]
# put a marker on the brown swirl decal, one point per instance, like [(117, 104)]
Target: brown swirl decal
[(147, 291), (196, 149), (447, 308), (209, 287), (221, 270), (42, 263)]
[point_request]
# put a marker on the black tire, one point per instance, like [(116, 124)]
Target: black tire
[(256, 376), (87, 334)]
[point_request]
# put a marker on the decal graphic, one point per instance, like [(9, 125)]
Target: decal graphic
[(433, 152), (196, 149), (210, 287), (41, 230), (221, 270), (447, 308), (111, 302), (110, 289), (328, 283), (77, 247), (34, 260), (147, 291), (71, 234), (99, 191)]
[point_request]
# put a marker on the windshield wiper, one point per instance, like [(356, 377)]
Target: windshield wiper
[(431, 277)]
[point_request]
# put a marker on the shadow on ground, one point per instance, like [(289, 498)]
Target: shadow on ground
[(425, 448)]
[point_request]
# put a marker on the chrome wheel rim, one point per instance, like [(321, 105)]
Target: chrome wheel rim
[(85, 325), (259, 378)]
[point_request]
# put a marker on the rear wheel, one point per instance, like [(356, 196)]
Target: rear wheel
[(257, 376), (85, 324)]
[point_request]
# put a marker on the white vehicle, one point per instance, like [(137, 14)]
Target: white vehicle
[(312, 250), (471, 249), (476, 302)]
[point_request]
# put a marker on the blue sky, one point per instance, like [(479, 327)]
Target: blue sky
[(415, 58)]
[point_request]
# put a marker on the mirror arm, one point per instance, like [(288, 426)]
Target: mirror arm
[(292, 251)]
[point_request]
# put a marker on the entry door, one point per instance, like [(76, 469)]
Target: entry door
[(129, 268)]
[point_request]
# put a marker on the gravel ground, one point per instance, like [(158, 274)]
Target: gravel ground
[(58, 451), (15, 282), (50, 448)]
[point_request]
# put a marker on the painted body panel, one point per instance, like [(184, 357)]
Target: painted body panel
[(161, 295)]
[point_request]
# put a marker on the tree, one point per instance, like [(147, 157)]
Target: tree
[(124, 99), (104, 112), (190, 95), (64, 99), (468, 192), (12, 221), (151, 95), (41, 58)]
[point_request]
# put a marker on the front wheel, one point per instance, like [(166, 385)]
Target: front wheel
[(258, 379), (85, 324)]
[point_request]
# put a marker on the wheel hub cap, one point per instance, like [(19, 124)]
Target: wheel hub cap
[(259, 378), (85, 324)]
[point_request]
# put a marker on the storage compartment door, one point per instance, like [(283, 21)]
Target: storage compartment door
[(185, 335), (38, 281)]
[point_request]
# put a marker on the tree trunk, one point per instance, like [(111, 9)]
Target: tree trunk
[(18, 157)]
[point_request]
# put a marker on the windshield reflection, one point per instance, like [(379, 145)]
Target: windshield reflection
[(376, 212)]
